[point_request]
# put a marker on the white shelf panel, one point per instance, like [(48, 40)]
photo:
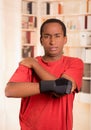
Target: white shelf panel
[(30, 0), (84, 97), (86, 78), (31, 30), (28, 15)]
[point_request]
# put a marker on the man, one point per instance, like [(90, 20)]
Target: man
[(47, 84)]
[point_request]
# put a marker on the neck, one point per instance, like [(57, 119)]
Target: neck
[(51, 58)]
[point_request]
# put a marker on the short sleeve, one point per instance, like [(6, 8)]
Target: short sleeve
[(22, 74), (75, 71)]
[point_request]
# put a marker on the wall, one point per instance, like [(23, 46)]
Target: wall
[(10, 55), (81, 114)]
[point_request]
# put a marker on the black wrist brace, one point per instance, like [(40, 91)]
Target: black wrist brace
[(60, 86)]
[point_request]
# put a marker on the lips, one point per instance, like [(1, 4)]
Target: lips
[(53, 48)]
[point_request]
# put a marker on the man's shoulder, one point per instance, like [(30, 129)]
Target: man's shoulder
[(72, 59)]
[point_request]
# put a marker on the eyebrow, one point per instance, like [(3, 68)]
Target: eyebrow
[(53, 34)]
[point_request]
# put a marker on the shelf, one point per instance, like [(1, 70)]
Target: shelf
[(67, 7), (71, 46), (67, 15), (29, 0), (51, 1), (87, 63), (28, 15), (84, 97), (78, 30), (76, 14), (29, 30), (86, 78), (27, 44)]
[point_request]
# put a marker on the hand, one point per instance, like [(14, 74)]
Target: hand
[(73, 87), (28, 62), (56, 95)]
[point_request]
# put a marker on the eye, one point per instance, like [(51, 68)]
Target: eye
[(57, 35), (46, 36)]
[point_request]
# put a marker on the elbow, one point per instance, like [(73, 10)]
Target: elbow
[(8, 92)]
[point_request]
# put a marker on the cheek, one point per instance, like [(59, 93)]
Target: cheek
[(44, 43), (45, 46), (62, 42)]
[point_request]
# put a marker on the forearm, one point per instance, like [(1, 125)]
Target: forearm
[(42, 73), (20, 90), (39, 70)]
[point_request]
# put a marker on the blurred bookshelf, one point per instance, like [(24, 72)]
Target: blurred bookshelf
[(28, 27)]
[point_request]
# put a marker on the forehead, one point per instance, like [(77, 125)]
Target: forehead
[(52, 28)]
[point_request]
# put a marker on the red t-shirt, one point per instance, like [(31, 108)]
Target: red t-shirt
[(43, 111)]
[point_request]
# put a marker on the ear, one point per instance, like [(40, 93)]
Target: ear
[(41, 40), (65, 40)]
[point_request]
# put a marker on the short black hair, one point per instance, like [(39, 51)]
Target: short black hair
[(53, 20)]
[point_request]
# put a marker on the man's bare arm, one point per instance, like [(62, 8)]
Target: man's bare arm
[(20, 89)]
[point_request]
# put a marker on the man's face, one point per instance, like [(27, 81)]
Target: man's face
[(53, 39)]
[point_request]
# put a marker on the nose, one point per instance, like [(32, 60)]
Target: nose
[(52, 40)]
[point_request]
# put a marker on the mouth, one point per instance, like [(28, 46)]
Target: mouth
[(53, 48)]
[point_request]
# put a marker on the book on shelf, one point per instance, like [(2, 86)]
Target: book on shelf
[(29, 22), (28, 37), (87, 72), (81, 22), (67, 7), (51, 8), (27, 51), (29, 7), (60, 8), (85, 22), (47, 8), (86, 86), (32, 20)]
